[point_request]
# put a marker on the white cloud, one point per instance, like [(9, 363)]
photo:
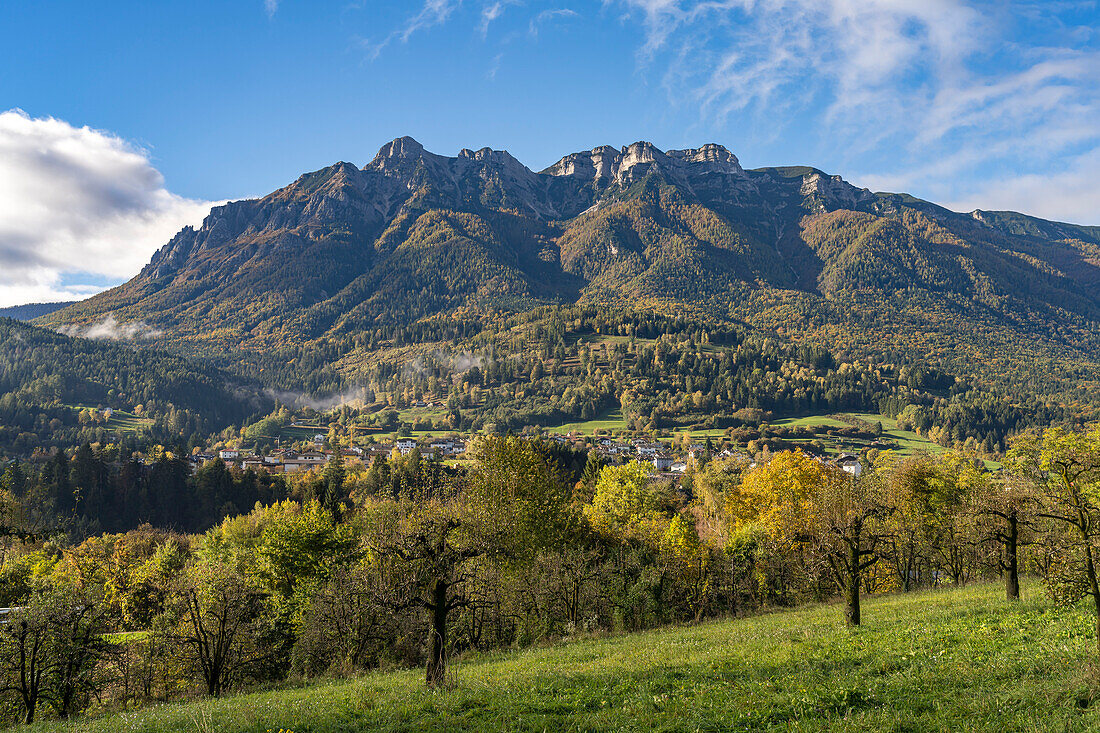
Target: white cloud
[(972, 90), (78, 201), (271, 7), (548, 15), (431, 13), (1068, 195), (489, 13)]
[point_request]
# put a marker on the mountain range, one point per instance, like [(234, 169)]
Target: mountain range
[(412, 237)]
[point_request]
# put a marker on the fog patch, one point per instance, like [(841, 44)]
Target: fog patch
[(455, 363), (354, 396), (109, 328)]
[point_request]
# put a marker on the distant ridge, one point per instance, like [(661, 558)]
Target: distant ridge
[(350, 260), (30, 311)]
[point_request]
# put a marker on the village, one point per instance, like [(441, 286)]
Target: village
[(666, 457)]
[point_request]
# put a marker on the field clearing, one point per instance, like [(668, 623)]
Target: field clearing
[(936, 660), (610, 422), (908, 441), (121, 421), (301, 433), (813, 421)]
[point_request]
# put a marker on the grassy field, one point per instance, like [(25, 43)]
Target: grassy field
[(908, 441), (932, 661), (813, 421), (611, 422), (123, 422)]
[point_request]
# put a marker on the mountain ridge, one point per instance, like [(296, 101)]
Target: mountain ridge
[(413, 236)]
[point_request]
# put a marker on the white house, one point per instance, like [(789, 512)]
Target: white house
[(662, 462), (849, 464), (405, 445), (229, 454), (447, 447)]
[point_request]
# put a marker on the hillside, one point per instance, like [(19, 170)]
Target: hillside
[(30, 311), (47, 379), (350, 262), (935, 660)]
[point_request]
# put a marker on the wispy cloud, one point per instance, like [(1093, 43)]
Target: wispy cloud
[(271, 7), (77, 200), (548, 15), (489, 13), (437, 12), (1063, 195), (997, 88), (431, 13), (358, 395), (491, 74)]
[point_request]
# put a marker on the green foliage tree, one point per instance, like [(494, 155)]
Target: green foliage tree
[(215, 614), (626, 504), (50, 650), (1064, 467), (846, 528)]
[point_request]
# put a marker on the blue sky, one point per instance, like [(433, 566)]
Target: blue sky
[(972, 104)]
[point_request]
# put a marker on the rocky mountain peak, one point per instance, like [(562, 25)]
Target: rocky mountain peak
[(498, 158), (639, 153), (626, 164), (402, 147), (712, 155), (485, 154), (826, 192)]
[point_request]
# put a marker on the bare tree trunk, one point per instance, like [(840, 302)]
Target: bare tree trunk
[(437, 641), (1012, 565), (1094, 589), (851, 605)]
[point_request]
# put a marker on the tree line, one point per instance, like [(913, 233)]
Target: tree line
[(360, 570)]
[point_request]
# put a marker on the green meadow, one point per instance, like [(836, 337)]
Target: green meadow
[(940, 660)]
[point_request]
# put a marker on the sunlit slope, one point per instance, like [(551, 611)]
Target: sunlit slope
[(938, 660)]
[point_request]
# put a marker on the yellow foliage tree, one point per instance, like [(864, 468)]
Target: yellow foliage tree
[(625, 505), (777, 494)]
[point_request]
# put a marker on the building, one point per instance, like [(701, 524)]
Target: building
[(849, 464), (447, 447), (662, 462), (405, 445), (229, 454)]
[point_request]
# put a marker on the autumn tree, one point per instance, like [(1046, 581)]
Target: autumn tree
[(215, 613), (626, 504), (434, 545), (1064, 467), (50, 651), (846, 527)]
